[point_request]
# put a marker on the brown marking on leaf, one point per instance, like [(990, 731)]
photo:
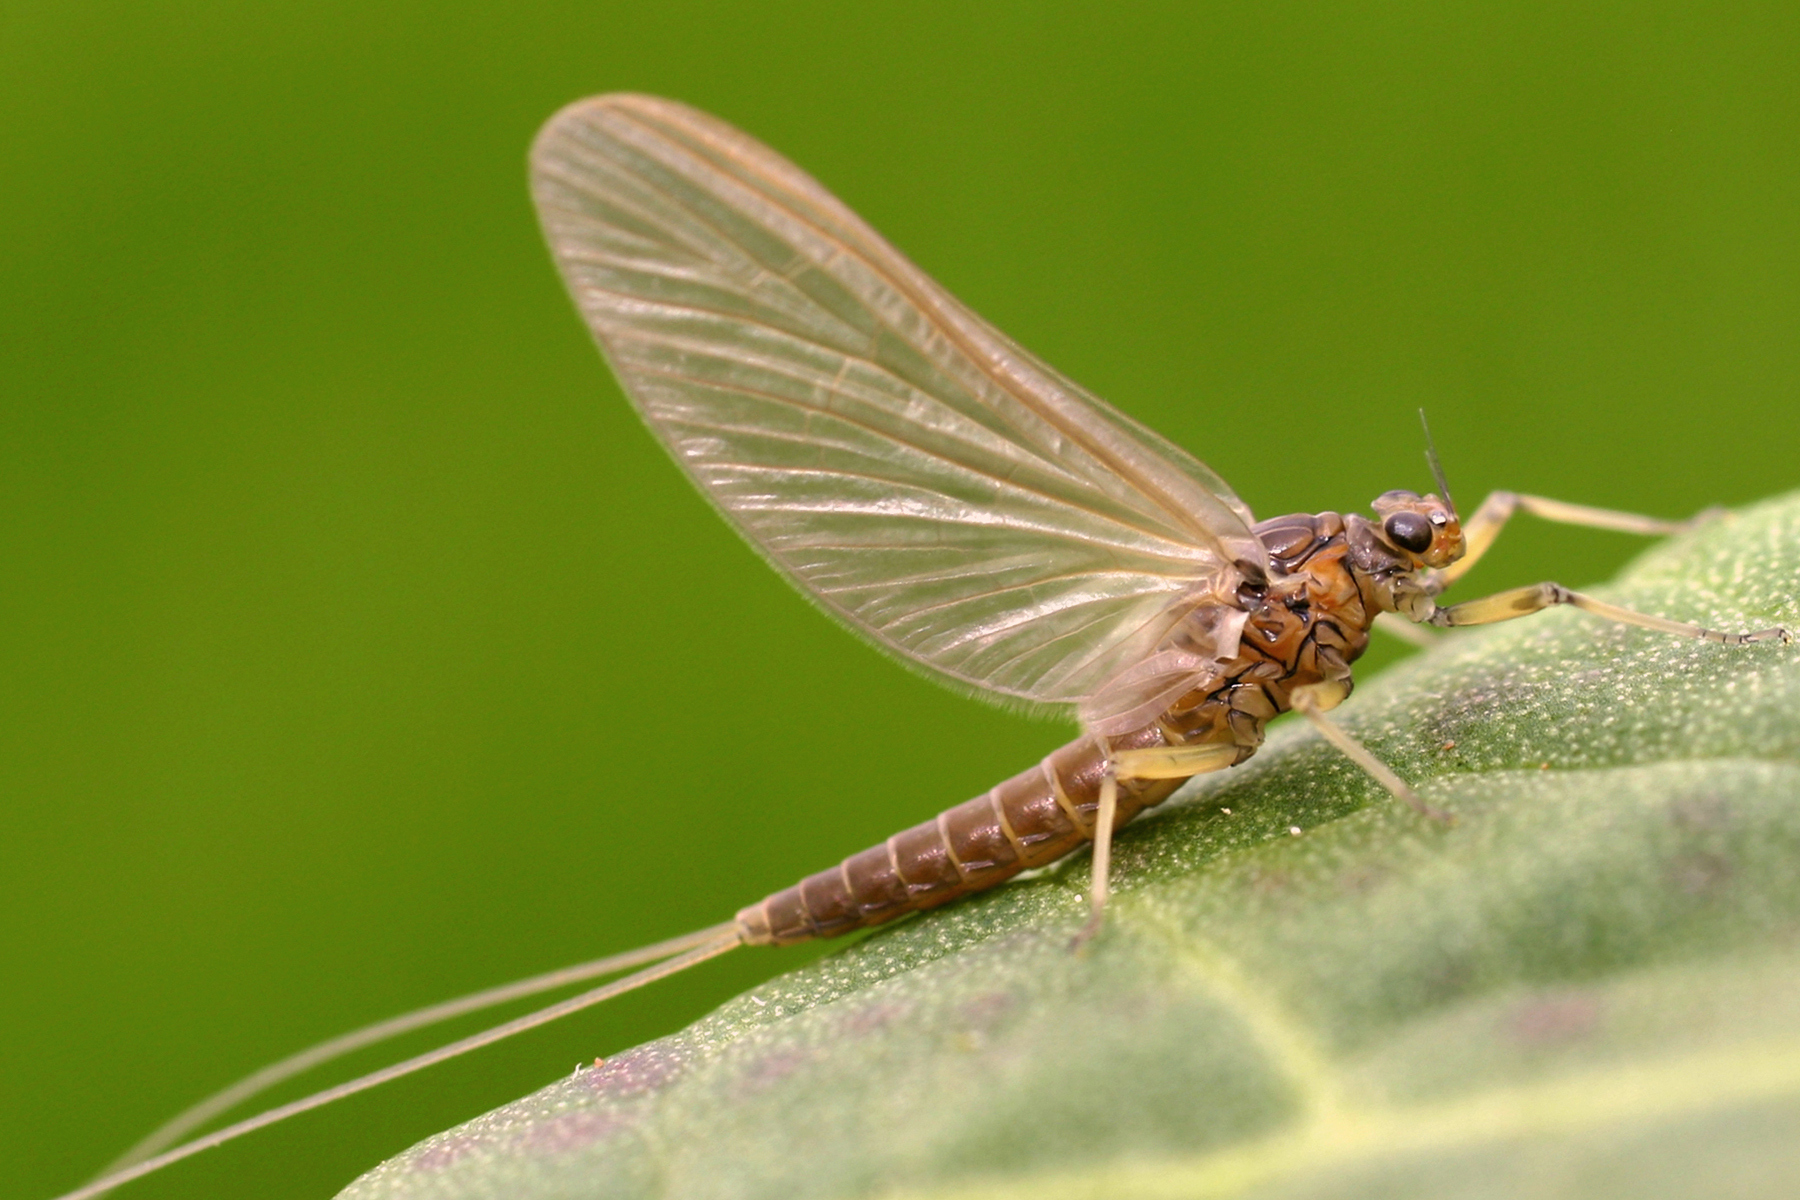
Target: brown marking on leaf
[(1700, 872), (770, 1069), (445, 1151), (1700, 811), (1555, 1020), (629, 1072), (566, 1132), (988, 1009), (875, 1017)]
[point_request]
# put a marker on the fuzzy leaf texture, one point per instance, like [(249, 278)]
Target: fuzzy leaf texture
[(1588, 986)]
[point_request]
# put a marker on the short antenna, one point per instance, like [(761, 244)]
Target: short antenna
[(1437, 468)]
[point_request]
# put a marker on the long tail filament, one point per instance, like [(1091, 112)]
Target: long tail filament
[(668, 958)]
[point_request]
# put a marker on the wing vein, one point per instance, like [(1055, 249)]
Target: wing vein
[(920, 476), (931, 309)]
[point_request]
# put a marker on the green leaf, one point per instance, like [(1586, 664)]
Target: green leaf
[(1589, 985)]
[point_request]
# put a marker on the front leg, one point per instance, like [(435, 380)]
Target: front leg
[(1480, 530), (1522, 602)]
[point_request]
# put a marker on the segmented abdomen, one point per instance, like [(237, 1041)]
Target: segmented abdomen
[(1031, 819)]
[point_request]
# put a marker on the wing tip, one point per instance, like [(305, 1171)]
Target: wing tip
[(592, 111), (577, 114)]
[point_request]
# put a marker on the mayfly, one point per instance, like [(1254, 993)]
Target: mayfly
[(949, 496)]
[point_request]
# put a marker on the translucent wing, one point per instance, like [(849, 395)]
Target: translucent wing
[(925, 479)]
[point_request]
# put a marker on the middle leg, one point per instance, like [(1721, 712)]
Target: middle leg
[(1311, 703)]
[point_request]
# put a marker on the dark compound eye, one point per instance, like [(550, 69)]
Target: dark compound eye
[(1409, 531)]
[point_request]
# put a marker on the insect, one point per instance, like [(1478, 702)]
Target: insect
[(950, 497)]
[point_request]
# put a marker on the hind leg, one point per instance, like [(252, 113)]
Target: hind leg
[(1162, 762)]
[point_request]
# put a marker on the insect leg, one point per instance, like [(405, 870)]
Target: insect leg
[(1161, 762), (1099, 880), (1520, 602), (1480, 530), (1174, 762), (1308, 702)]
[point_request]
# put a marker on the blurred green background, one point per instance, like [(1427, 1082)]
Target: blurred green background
[(360, 648)]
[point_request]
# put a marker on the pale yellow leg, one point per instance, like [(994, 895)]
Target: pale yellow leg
[(1163, 762), (1480, 530), (1522, 602), (1173, 762), (1312, 702), (1102, 871)]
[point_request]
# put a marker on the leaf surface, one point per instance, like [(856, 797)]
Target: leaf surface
[(1589, 985)]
